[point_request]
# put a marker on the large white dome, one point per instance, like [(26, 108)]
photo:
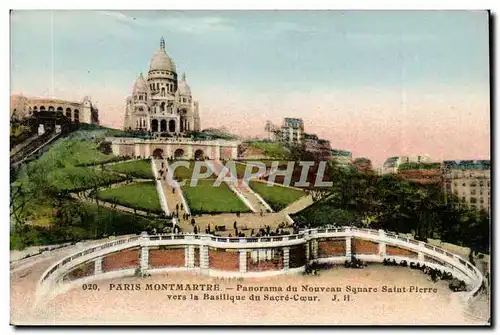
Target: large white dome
[(161, 61)]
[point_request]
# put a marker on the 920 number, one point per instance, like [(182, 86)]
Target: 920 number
[(90, 287)]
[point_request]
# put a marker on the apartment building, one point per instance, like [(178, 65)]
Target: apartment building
[(470, 181)]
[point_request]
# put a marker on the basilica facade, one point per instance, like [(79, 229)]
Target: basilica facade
[(161, 103)]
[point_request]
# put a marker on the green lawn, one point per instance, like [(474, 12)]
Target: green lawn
[(138, 169), (72, 152), (79, 178), (141, 196), (278, 197), (268, 162), (270, 149), (240, 170), (182, 173), (204, 198)]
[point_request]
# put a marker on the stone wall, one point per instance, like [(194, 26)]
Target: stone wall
[(196, 257), (363, 247), (82, 270), (226, 153), (331, 247), (124, 259), (224, 259), (127, 150), (167, 257), (269, 259), (434, 260), (396, 251), (297, 256)]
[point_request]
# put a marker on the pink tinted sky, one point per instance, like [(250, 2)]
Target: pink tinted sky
[(371, 123)]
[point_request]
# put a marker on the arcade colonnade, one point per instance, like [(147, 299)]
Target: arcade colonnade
[(181, 148), (72, 114)]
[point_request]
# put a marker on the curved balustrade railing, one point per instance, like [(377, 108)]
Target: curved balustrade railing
[(451, 260), (180, 140)]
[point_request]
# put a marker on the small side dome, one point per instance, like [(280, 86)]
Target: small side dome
[(140, 85), (184, 88)]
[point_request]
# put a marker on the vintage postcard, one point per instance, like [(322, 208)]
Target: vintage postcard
[(250, 168)]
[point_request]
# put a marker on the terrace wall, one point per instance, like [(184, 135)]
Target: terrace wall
[(124, 259), (224, 259), (269, 259), (168, 257), (331, 247), (282, 255), (363, 247), (397, 251)]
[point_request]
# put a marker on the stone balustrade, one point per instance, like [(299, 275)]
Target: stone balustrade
[(249, 256), (180, 140)]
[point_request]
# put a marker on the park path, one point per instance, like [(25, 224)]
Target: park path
[(252, 200), (112, 205), (25, 274), (245, 222), (298, 205)]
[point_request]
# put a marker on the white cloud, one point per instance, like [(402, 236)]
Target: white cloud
[(174, 22)]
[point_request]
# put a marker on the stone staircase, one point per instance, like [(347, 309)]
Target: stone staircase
[(256, 201), (173, 197)]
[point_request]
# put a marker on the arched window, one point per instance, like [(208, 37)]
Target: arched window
[(163, 91), (59, 112), (42, 108), (171, 126), (68, 113), (76, 116), (163, 126), (154, 126)]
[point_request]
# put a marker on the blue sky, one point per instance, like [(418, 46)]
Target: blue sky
[(262, 50), (263, 60)]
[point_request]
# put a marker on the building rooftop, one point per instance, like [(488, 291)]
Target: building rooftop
[(419, 166), (468, 164), (294, 122), (341, 153)]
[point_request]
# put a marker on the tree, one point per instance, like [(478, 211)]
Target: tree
[(363, 164), (92, 180), (105, 148), (26, 190)]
